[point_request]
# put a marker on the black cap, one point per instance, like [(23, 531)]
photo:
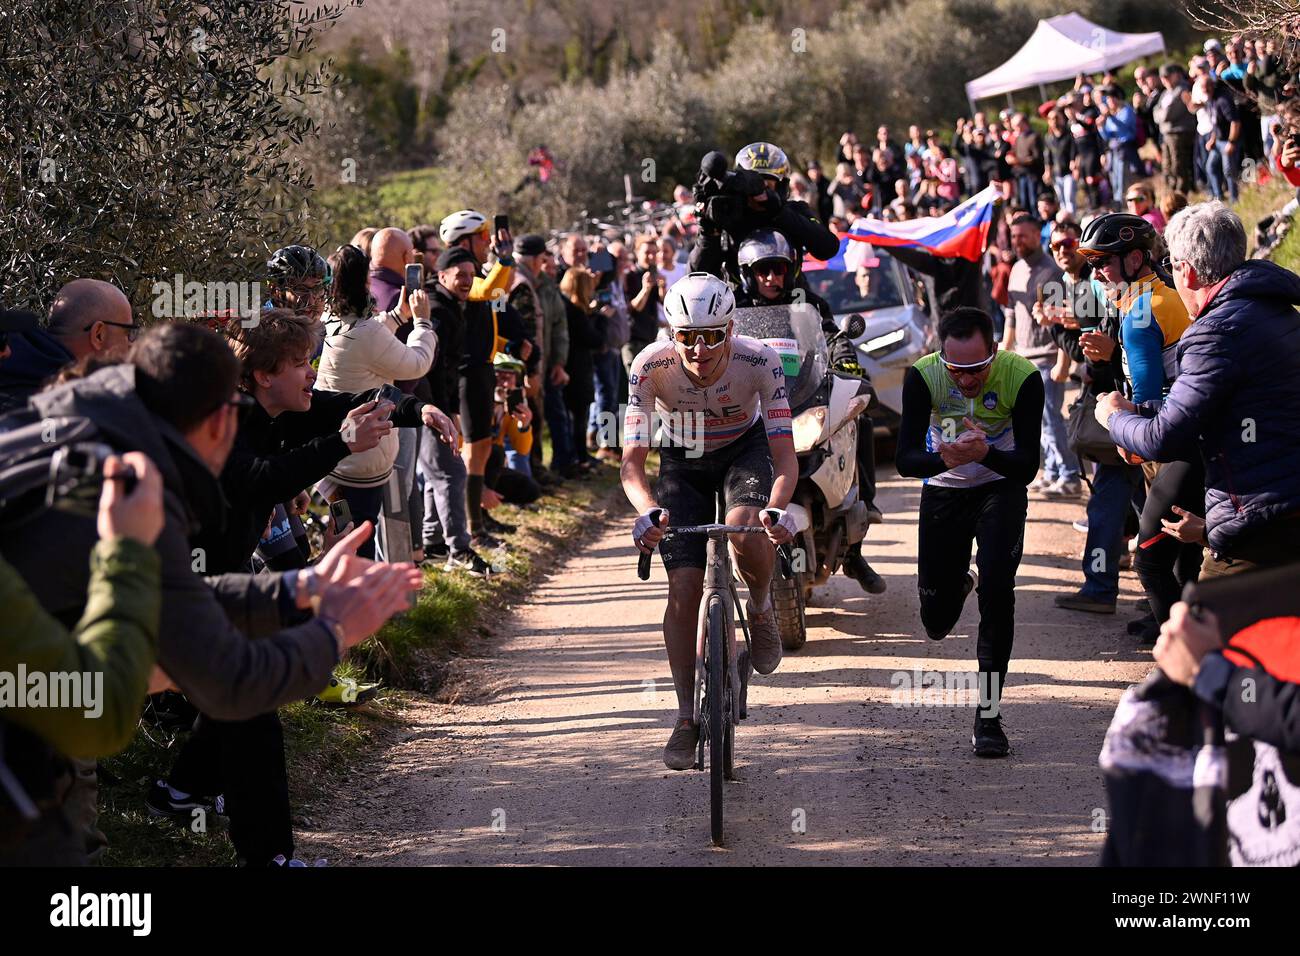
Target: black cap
[(16, 320), (455, 256), (530, 245)]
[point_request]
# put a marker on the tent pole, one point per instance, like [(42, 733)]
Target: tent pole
[(1011, 104), (1042, 91)]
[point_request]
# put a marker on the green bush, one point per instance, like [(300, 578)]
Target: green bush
[(800, 89)]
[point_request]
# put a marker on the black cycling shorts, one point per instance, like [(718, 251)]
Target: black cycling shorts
[(688, 489), (477, 389)]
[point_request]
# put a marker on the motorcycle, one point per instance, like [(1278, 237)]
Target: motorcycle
[(824, 408)]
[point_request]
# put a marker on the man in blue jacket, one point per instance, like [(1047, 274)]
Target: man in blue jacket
[(1237, 396)]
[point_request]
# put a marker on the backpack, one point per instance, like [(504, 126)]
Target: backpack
[(44, 460)]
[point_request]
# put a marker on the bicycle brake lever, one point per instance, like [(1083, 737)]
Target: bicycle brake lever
[(785, 556), (643, 563)]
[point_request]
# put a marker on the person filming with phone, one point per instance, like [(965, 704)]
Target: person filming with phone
[(360, 353), (508, 468)]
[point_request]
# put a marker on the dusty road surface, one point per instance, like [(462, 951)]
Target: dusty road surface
[(561, 764)]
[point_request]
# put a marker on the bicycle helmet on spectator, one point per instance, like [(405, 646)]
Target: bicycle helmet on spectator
[(699, 300), (461, 224), (294, 263), (761, 246), (1117, 234)]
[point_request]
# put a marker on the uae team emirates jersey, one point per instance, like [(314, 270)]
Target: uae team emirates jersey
[(752, 386)]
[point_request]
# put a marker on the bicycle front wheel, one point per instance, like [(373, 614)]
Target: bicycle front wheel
[(717, 714)]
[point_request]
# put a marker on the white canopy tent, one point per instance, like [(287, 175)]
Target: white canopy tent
[(1062, 48)]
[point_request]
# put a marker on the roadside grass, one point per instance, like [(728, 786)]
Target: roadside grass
[(409, 655)]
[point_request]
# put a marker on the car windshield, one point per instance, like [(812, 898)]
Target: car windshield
[(843, 294), (795, 333)]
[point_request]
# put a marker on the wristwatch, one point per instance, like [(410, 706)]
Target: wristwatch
[(336, 631)]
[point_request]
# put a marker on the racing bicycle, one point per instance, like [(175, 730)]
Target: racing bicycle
[(721, 674)]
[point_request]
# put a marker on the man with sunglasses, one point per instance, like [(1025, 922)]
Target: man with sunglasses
[(88, 317), (1033, 277), (1153, 320), (770, 275), (725, 427), (972, 414)]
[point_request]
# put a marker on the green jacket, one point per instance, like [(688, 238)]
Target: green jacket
[(117, 637), (555, 321)]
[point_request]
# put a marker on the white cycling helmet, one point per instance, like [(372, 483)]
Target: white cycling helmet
[(461, 224), (699, 300)]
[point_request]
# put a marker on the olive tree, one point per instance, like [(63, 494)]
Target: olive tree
[(144, 138)]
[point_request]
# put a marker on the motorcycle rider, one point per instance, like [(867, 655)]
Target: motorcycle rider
[(770, 275)]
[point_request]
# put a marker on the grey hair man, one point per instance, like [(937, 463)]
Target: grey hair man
[(1236, 401)]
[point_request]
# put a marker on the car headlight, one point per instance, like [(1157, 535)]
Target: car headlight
[(807, 427), (882, 345)]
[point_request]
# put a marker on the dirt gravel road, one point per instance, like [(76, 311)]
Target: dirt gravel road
[(561, 763)]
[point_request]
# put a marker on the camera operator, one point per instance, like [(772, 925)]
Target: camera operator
[(734, 203)]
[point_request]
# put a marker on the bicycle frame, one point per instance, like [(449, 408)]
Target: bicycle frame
[(719, 585)]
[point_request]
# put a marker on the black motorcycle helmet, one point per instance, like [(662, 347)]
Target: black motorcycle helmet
[(1118, 234)]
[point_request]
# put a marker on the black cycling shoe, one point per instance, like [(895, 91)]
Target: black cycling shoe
[(988, 738), (856, 567)]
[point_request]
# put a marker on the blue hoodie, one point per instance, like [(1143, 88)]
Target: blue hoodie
[(35, 358), (1236, 401)]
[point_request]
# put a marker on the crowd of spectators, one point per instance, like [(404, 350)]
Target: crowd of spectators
[(375, 395)]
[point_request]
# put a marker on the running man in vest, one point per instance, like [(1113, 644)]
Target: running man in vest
[(972, 415)]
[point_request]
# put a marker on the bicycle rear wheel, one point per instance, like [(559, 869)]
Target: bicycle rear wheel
[(717, 716)]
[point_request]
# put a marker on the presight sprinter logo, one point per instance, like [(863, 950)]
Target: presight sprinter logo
[(76, 909)]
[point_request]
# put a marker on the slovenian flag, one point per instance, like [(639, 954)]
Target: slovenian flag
[(962, 233)]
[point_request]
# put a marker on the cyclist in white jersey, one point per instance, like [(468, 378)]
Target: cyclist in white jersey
[(719, 403)]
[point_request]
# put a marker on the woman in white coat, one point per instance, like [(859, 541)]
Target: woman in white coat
[(361, 352)]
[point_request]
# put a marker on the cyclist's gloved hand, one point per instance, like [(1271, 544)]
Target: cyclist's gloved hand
[(850, 367), (646, 535), (780, 525)]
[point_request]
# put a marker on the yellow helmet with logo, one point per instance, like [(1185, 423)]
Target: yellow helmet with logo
[(765, 159)]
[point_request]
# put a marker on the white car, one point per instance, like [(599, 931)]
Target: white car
[(895, 327)]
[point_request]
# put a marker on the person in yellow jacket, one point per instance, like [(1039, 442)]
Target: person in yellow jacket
[(509, 472)]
